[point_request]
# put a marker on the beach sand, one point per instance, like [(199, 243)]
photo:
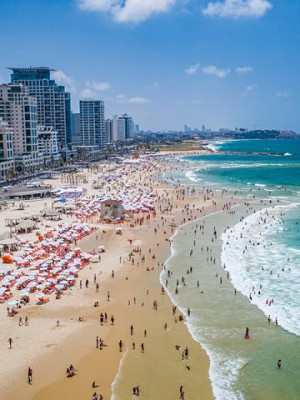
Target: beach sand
[(160, 370)]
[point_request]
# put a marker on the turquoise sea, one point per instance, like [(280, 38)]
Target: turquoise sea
[(247, 274)]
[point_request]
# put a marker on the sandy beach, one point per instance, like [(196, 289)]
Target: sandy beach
[(137, 258)]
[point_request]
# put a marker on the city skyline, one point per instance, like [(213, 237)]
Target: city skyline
[(165, 62)]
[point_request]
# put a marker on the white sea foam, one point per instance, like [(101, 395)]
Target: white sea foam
[(118, 376), (259, 185), (264, 271), (191, 175), (212, 147)]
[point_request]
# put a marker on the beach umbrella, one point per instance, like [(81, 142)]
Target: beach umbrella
[(59, 287), (24, 292), (13, 302)]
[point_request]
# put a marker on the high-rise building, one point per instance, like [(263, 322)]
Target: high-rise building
[(6, 150), (118, 129), (187, 129), (92, 123), (19, 110), (53, 102), (136, 129), (75, 128), (129, 126), (109, 130), (48, 143)]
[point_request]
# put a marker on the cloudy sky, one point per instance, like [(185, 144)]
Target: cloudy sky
[(224, 64)]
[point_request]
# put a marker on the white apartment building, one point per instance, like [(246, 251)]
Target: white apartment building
[(92, 123), (48, 143), (6, 151), (19, 111), (118, 129)]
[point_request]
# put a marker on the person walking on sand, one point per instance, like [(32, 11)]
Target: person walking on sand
[(29, 376), (142, 348), (120, 345), (10, 342), (26, 321)]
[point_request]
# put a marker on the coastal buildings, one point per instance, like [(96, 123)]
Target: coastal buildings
[(53, 102), (119, 129), (18, 109), (129, 126), (48, 144), (75, 129), (92, 123), (6, 152)]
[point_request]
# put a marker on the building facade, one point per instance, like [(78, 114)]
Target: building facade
[(18, 109), (75, 129), (129, 126), (92, 123), (118, 129), (53, 102), (48, 144)]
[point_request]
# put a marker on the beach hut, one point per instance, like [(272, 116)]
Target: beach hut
[(9, 244), (112, 208), (25, 226), (45, 210)]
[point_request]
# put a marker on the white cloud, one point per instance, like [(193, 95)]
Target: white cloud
[(249, 89), (138, 100), (128, 10), (282, 93), (62, 79), (88, 94), (120, 98), (192, 69), (99, 86), (244, 70), (213, 70), (237, 8), (97, 5)]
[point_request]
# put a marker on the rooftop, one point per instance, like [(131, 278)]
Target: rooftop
[(30, 69)]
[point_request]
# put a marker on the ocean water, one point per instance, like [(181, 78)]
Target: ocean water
[(247, 274)]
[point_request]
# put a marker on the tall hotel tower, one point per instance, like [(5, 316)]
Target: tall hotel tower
[(53, 102), (92, 123)]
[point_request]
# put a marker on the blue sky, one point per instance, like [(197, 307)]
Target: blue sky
[(224, 64)]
